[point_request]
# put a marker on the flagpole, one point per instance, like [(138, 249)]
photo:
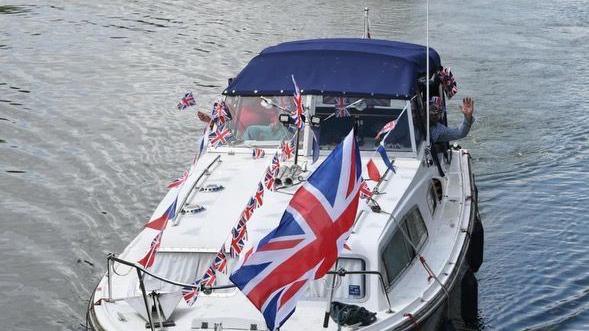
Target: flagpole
[(297, 146), (427, 67)]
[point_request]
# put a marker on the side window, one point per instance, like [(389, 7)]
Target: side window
[(434, 195), (399, 251)]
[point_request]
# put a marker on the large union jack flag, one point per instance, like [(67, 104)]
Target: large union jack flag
[(306, 243)]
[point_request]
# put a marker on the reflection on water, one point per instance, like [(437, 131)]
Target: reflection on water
[(89, 135)]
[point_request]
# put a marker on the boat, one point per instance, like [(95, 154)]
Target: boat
[(416, 240)]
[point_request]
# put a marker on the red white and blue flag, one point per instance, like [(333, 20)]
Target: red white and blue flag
[(179, 181), (161, 222), (258, 153), (269, 179), (386, 128), (149, 258), (287, 148), (190, 294), (220, 261), (365, 191), (275, 166), (298, 101), (249, 209), (259, 195), (237, 240), (220, 112), (311, 234), (209, 277), (220, 136), (341, 110), (186, 101)]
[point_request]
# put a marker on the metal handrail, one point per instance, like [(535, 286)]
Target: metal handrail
[(206, 289), (203, 173), (140, 274), (343, 272)]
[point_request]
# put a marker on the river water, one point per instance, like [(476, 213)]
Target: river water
[(89, 135)]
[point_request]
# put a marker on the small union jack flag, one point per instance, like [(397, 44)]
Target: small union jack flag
[(249, 209), (365, 192), (220, 261), (237, 241), (287, 148), (341, 109), (259, 195), (179, 181), (190, 294), (275, 164), (448, 82), (186, 102), (209, 277), (258, 153), (386, 128), (269, 179), (220, 112), (298, 101), (149, 258), (220, 136)]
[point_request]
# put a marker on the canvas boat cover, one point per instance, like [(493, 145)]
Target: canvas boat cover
[(343, 66)]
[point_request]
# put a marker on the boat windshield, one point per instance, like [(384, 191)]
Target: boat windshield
[(255, 120), (339, 114), (251, 121)]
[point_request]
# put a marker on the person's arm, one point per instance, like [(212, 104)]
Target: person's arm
[(447, 134), (443, 134)]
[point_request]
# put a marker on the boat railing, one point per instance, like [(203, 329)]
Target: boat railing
[(141, 272)]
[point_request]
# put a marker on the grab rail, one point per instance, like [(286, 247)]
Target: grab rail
[(205, 171), (343, 272)]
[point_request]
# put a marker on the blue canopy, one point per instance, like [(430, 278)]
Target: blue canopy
[(351, 67)]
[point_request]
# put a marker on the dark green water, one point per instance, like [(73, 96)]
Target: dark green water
[(89, 135)]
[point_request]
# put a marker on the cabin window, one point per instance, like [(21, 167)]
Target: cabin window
[(251, 121), (349, 287), (434, 195), (370, 116), (399, 252), (432, 201)]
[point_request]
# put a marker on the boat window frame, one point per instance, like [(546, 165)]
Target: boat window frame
[(408, 248), (316, 100)]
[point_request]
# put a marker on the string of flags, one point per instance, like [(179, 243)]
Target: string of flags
[(239, 232)]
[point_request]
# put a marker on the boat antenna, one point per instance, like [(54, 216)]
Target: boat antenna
[(366, 25), (427, 68)]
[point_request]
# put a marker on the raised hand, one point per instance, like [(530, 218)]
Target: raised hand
[(467, 108)]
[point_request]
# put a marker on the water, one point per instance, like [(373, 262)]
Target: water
[(89, 135)]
